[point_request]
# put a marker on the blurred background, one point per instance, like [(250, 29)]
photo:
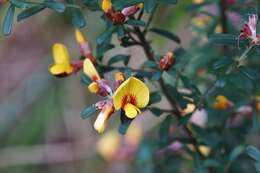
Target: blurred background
[(40, 125)]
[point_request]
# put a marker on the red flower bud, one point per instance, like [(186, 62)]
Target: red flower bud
[(167, 61)]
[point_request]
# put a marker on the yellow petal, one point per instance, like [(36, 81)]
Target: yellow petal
[(222, 103), (90, 70), (60, 54), (79, 37), (57, 69), (101, 121), (119, 76), (93, 87), (205, 151), (106, 5), (131, 111), (140, 5), (135, 87), (108, 145), (134, 134)]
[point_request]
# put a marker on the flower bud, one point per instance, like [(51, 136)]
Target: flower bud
[(167, 61), (222, 103)]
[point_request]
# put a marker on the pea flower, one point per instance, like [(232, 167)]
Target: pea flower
[(84, 46), (129, 11), (119, 17), (249, 30), (222, 103), (98, 86), (131, 95), (62, 66), (112, 146), (167, 61), (258, 103)]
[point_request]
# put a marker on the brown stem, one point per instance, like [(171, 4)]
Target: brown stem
[(177, 111), (223, 9)]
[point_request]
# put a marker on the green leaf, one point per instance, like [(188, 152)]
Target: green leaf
[(150, 64), (250, 73), (76, 16), (134, 22), (106, 35), (29, 12), (124, 58), (164, 129), (226, 39), (238, 150), (156, 111), (85, 79), (88, 112), (253, 152), (8, 20), (57, 6), (19, 3), (119, 4), (166, 34), (149, 5), (125, 123), (167, 1), (154, 98)]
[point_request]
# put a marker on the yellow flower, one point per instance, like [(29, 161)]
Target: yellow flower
[(62, 65), (108, 145), (79, 37), (131, 95), (90, 70), (106, 5), (258, 103), (205, 151), (101, 121), (197, 1), (222, 103)]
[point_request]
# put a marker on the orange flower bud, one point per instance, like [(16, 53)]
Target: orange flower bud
[(222, 103), (167, 61)]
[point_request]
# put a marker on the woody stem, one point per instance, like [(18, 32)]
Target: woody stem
[(177, 112)]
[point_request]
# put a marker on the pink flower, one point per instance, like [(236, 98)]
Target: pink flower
[(249, 30)]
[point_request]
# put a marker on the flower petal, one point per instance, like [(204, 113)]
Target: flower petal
[(57, 69), (60, 54), (90, 70), (106, 5), (79, 37), (131, 111), (135, 87)]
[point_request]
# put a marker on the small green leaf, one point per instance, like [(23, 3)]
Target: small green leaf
[(8, 20), (118, 58), (253, 152), (166, 34), (134, 22), (250, 73), (156, 111), (57, 6), (236, 152), (125, 123), (164, 129), (154, 98), (85, 79), (88, 112), (19, 3), (29, 12)]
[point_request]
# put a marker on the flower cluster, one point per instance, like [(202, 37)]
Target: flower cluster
[(249, 30), (126, 94), (119, 17)]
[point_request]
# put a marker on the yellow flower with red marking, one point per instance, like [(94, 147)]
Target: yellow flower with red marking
[(62, 65), (107, 109), (130, 96), (222, 103)]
